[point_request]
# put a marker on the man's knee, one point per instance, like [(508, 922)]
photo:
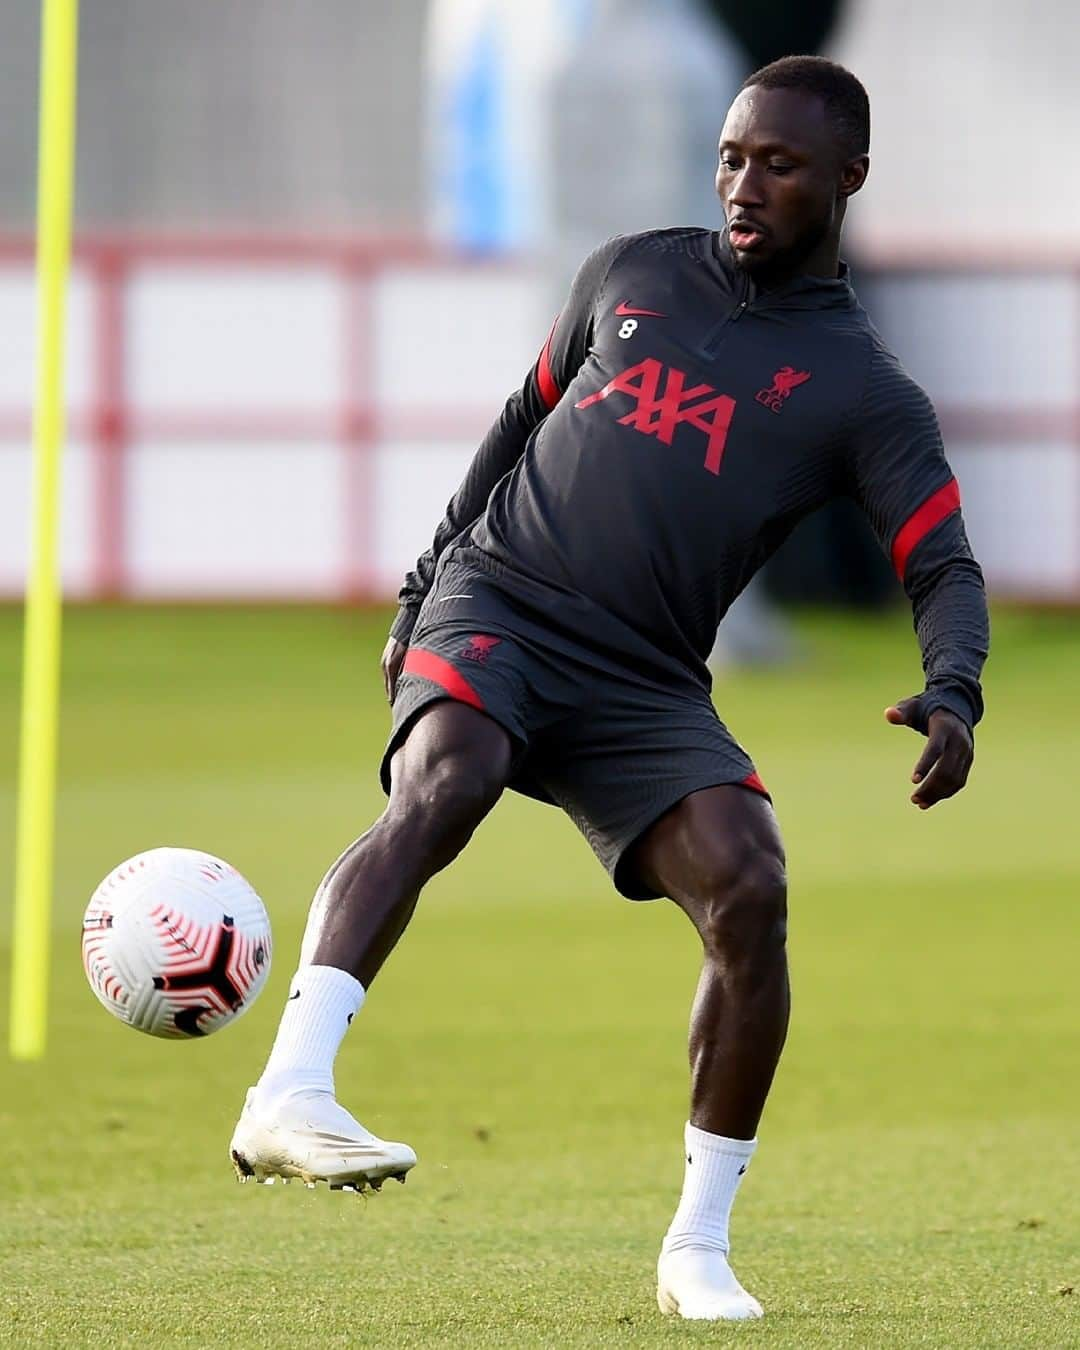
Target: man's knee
[(741, 908)]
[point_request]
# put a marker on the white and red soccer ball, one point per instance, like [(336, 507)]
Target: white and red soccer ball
[(176, 943)]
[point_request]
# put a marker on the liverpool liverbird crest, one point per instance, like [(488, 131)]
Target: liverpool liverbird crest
[(784, 381)]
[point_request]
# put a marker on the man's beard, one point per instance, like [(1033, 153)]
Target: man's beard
[(785, 262)]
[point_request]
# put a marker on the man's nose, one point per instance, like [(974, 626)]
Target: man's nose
[(748, 189)]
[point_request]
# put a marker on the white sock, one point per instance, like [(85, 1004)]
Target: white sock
[(714, 1168), (322, 1002)]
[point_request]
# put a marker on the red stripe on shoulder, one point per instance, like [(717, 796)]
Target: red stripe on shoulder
[(432, 667), (549, 390), (933, 511)]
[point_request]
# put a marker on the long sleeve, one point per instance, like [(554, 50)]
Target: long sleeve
[(562, 356), (904, 484)]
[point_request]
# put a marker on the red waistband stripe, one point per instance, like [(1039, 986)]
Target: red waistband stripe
[(933, 511), (432, 667)]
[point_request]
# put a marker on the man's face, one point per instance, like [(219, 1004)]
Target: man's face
[(782, 178)]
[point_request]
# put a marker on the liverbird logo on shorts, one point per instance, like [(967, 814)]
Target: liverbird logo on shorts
[(479, 648), (784, 381)]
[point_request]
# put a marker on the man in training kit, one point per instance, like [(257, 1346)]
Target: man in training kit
[(700, 394)]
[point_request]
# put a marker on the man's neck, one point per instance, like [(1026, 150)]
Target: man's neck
[(823, 263)]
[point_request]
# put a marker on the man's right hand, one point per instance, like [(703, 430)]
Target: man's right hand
[(392, 657)]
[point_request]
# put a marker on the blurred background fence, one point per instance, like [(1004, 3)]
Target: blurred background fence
[(280, 363), (286, 417)]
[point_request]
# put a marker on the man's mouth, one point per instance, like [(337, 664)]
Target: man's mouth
[(745, 235)]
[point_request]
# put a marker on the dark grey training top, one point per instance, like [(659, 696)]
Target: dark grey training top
[(675, 428)]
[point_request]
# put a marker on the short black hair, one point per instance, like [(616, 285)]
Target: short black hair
[(844, 97)]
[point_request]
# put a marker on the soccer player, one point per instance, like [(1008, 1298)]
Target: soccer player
[(699, 394)]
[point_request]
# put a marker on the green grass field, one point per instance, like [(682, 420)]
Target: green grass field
[(918, 1180)]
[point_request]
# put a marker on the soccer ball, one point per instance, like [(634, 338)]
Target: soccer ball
[(176, 943)]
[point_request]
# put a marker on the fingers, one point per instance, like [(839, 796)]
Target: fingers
[(384, 666), (942, 770), (905, 713), (392, 659), (943, 767), (926, 761)]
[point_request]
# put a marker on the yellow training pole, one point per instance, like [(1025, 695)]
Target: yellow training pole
[(41, 649)]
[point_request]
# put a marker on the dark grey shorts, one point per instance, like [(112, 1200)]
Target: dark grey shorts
[(613, 749)]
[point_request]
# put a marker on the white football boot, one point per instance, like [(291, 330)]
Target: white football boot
[(698, 1283), (308, 1135)]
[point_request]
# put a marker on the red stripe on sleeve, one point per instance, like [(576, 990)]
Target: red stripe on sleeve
[(549, 390), (434, 668), (754, 782), (933, 511)]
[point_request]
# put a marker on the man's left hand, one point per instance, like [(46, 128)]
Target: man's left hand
[(946, 761)]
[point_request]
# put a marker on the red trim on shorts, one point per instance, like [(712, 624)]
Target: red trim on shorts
[(753, 781), (549, 390), (441, 672), (933, 511)]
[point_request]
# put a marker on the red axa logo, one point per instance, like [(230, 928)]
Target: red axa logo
[(784, 381), (479, 648), (658, 413)]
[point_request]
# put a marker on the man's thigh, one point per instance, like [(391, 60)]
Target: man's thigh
[(451, 737)]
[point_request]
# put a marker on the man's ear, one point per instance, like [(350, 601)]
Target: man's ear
[(853, 175)]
